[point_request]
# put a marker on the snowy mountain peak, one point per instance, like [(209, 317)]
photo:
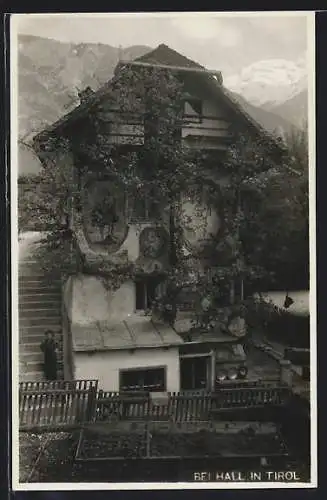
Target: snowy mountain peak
[(270, 82)]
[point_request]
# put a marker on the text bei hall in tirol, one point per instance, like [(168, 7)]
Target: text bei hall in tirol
[(236, 476)]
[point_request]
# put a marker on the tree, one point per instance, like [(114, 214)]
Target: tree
[(279, 225)]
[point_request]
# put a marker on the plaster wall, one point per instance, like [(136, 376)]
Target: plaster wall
[(91, 302), (105, 366)]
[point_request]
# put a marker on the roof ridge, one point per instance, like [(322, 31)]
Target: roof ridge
[(163, 46)]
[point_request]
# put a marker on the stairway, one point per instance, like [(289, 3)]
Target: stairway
[(39, 310)]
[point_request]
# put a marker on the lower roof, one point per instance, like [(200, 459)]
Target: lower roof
[(134, 332)]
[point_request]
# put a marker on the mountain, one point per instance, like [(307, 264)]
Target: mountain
[(294, 110), (275, 85), (50, 73), (270, 82), (270, 121)]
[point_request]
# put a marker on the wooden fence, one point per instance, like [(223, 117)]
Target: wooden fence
[(56, 404), (62, 404), (183, 407)]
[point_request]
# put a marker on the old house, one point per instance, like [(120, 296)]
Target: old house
[(106, 332)]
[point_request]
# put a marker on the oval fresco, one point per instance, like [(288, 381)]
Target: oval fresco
[(104, 214), (200, 221)]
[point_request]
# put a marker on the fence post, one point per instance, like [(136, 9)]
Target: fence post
[(91, 404), (286, 374), (213, 371)]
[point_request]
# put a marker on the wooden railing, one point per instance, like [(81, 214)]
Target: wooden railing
[(56, 404), (188, 406), (62, 404)]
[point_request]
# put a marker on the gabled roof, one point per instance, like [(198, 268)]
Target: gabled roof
[(161, 55), (165, 55)]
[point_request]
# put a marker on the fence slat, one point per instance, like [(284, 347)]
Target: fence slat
[(76, 402), (58, 402)]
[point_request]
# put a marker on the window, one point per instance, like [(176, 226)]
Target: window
[(193, 110), (140, 208), (146, 293), (143, 208), (145, 379), (196, 105), (194, 373)]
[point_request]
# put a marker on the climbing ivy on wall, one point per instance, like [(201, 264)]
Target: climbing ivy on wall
[(163, 170)]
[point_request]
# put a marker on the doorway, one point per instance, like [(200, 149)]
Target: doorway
[(194, 373)]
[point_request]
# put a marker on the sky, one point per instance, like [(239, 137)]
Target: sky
[(218, 41)]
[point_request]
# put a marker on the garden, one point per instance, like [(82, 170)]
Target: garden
[(153, 451)]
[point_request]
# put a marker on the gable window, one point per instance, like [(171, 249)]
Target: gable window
[(196, 105), (143, 379), (193, 110)]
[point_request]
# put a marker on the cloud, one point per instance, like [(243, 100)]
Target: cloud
[(208, 28), (216, 41)]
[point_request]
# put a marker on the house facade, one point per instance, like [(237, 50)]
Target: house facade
[(108, 333)]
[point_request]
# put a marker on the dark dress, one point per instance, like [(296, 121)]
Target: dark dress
[(49, 347)]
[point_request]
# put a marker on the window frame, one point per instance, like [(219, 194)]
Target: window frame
[(144, 369), (193, 118), (151, 210), (144, 281), (192, 360)]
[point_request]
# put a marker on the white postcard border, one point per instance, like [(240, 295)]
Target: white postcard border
[(16, 485)]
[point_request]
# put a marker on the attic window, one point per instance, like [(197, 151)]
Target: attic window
[(193, 109), (196, 105)]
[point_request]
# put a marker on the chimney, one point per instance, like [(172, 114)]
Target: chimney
[(219, 77), (85, 94)]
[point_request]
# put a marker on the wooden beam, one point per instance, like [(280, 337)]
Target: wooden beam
[(196, 355), (173, 68)]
